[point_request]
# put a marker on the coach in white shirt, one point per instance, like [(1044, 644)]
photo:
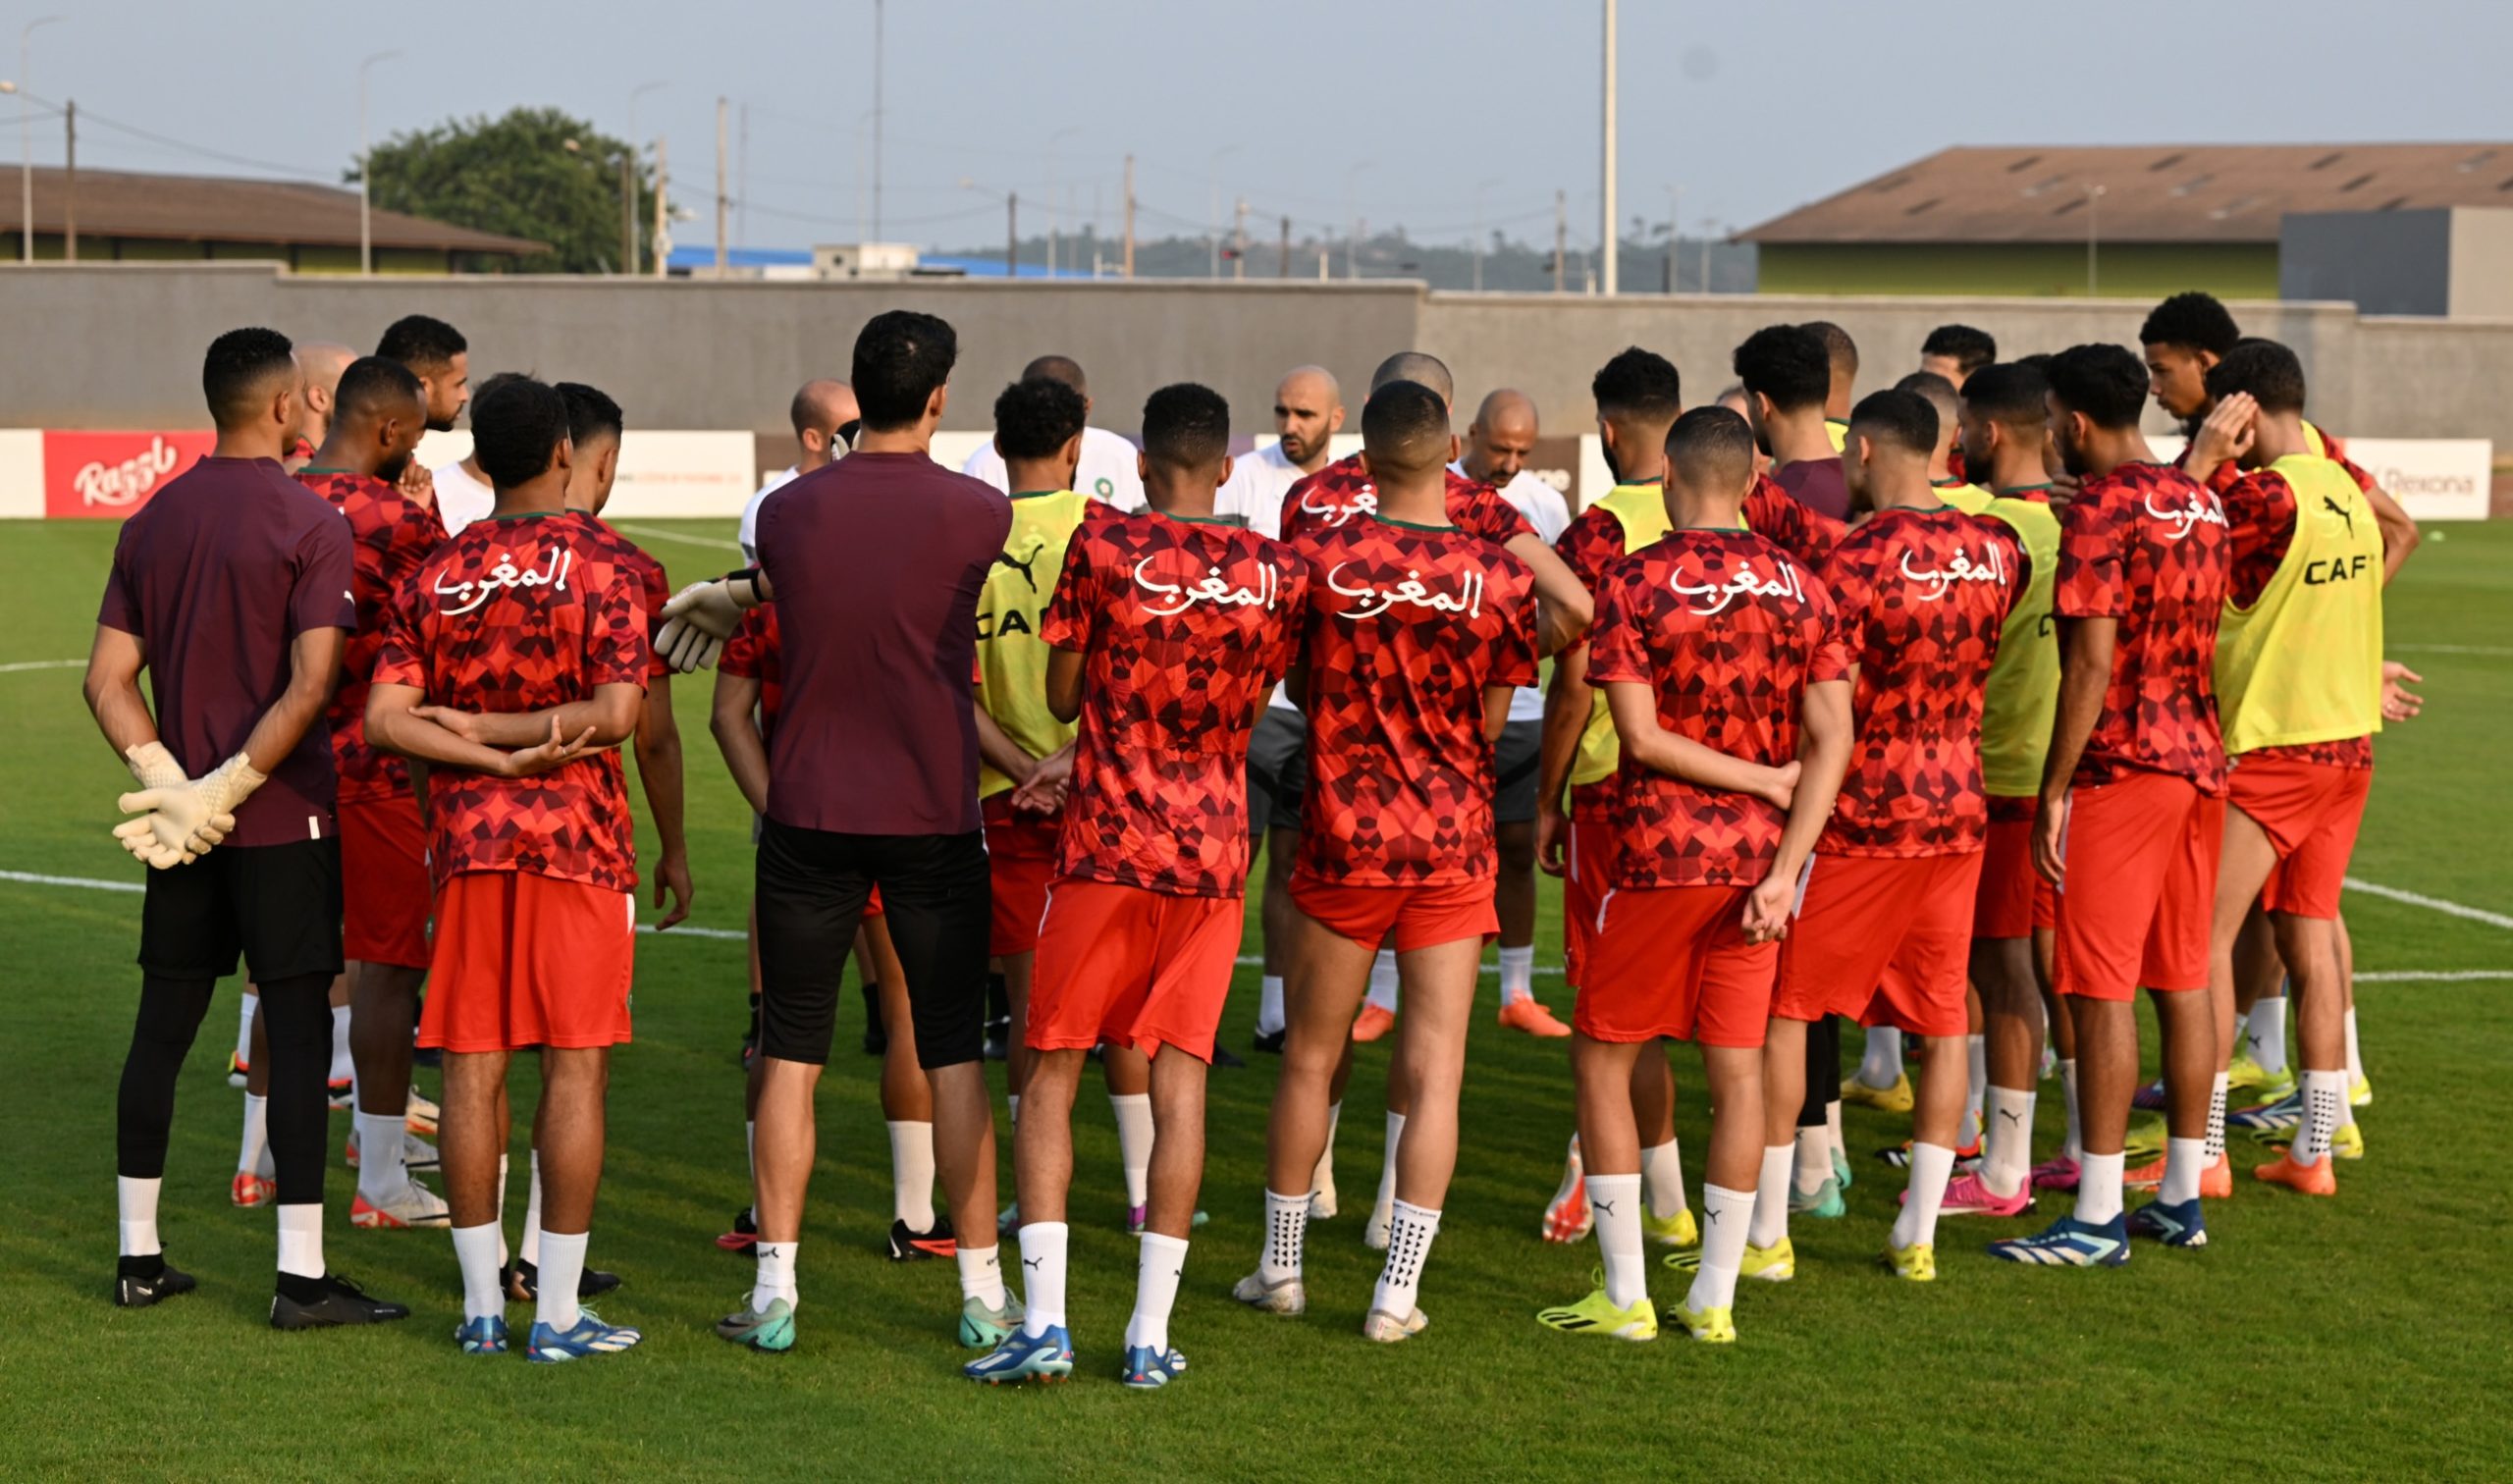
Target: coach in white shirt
[(1309, 411), (821, 411), (1107, 472)]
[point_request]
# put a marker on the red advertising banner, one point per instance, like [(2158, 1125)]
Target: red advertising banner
[(111, 475)]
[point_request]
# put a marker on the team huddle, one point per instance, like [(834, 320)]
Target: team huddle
[(1951, 709)]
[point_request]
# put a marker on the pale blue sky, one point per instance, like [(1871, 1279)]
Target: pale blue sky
[(1398, 109)]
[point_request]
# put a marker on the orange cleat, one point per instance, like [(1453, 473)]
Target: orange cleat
[(1373, 1023), (2215, 1182), (1567, 1216), (2313, 1179), (252, 1190), (1533, 1019)]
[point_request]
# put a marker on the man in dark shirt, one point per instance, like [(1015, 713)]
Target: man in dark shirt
[(875, 564), (231, 589), (1788, 375)]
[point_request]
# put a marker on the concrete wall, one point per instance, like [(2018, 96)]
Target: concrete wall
[(2482, 263), (96, 346), (2384, 262)]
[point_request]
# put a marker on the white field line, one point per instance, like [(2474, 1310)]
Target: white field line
[(2450, 648), (2431, 904), (40, 664), (716, 542)]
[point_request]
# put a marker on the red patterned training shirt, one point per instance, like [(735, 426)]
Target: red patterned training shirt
[(752, 655), (1339, 494), (390, 535), (650, 581), (2147, 546), (1407, 626), (522, 613), (1184, 626), (1727, 631), (1923, 596)]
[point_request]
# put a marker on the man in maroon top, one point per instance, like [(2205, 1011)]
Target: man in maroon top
[(875, 564), (1789, 374), (231, 590)]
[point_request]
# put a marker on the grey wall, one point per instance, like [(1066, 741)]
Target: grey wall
[(2384, 262), (100, 346), (2482, 263)]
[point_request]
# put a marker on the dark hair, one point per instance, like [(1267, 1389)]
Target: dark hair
[(901, 359), (1036, 417), (2266, 369), (1419, 367), (2039, 360), (236, 377), (2106, 382), (1710, 447), (516, 425), (421, 342), (1937, 390), (1186, 425), (1970, 349), (1839, 350), (2008, 393), (1896, 416), (591, 413), (375, 384), (1063, 368), (1405, 427), (1640, 383), (1787, 363), (2193, 319)]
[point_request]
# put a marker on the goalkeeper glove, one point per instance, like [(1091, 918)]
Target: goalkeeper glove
[(180, 819), (701, 616)]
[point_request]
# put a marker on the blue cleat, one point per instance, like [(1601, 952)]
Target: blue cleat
[(484, 1336), (2175, 1226), (1023, 1356), (1148, 1369), (2069, 1242), (2285, 1113), (590, 1337)]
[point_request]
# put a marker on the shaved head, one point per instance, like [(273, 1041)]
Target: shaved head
[(819, 409), (1418, 368), (323, 362), (1309, 409), (1502, 437), (1063, 368), (1310, 381)]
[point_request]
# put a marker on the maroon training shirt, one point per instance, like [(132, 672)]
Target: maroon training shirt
[(876, 562), (217, 575), (1815, 483)]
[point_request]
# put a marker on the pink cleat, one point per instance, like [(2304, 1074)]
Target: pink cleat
[(2057, 1173), (1966, 1195)]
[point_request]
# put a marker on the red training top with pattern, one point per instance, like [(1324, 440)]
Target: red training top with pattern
[(1406, 627), (650, 581), (1184, 626), (1923, 596), (522, 613), (390, 535), (1727, 631), (2224, 476), (752, 655), (1335, 494), (2260, 519), (2146, 545)]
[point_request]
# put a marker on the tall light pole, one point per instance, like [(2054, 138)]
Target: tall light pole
[(1482, 230), (2093, 204), (1212, 210), (365, 169), (877, 118), (632, 214), (1672, 235), (861, 119), (1353, 211), (26, 144), (1055, 203), (1609, 239)]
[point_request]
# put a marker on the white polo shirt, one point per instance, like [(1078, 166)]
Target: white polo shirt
[(1108, 473), (1546, 510), (461, 499)]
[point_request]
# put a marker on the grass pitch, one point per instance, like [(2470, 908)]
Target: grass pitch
[(2361, 1337)]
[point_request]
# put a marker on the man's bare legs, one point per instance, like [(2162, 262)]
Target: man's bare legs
[(2012, 1020)]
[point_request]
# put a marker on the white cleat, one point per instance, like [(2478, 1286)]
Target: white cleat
[(1321, 1200), (416, 1153), (1387, 1329), (1289, 1296), (1374, 1232), (421, 1114), (415, 1206)]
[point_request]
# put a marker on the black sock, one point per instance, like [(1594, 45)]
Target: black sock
[(1823, 1070), (304, 1290), (151, 1266)]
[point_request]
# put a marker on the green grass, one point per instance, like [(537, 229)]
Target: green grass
[(2363, 1337)]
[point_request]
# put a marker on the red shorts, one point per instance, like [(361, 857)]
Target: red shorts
[(1421, 917), (2311, 812), (1588, 876), (2045, 905), (383, 864), (1021, 858), (1888, 941), (2004, 906), (1131, 967), (1675, 962), (525, 959), (873, 904), (2141, 854)]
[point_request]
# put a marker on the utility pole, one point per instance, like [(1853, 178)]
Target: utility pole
[(1672, 197), (1610, 240), (69, 181), (741, 176), (631, 217), (1130, 216), (723, 258), (663, 204), (876, 120), (1012, 234), (1561, 241), (1283, 258), (26, 145), (1239, 243), (365, 169), (2093, 204), (1707, 228)]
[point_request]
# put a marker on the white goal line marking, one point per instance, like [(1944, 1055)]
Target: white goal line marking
[(716, 542), (40, 664)]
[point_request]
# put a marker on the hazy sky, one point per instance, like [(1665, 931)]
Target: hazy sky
[(1397, 109)]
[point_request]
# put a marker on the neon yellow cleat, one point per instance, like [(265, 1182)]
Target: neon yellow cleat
[(2246, 1076), (1676, 1231), (1598, 1315), (1775, 1263), (1894, 1100), (1917, 1263), (1716, 1326), (2348, 1142), (2360, 1093)]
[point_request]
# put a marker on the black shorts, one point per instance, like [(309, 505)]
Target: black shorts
[(1515, 760), (276, 905), (938, 904), (1278, 769)]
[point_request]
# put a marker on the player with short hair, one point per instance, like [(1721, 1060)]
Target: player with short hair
[(2132, 803), (231, 589), (1841, 357), (1951, 487), (2184, 338), (1106, 470), (322, 361), (1788, 377), (440, 358), (1955, 351), (1169, 628), (1713, 648), (512, 663)]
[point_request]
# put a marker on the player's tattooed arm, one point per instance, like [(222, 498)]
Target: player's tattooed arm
[(1563, 609), (733, 720), (1635, 707), (2086, 648), (1824, 742)]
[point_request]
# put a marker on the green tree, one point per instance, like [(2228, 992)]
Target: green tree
[(536, 173)]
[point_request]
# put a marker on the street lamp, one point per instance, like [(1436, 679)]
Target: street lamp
[(2093, 204), (632, 213), (1610, 239), (26, 145), (1056, 207), (365, 169)]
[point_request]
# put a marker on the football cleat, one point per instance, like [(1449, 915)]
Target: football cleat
[(1967, 1156), (2145, 1140), (421, 1115), (1969, 1195), (589, 1337), (2175, 1226), (416, 1206), (983, 1328), (139, 1281), (250, 1189), (2260, 1118), (1712, 1326), (2313, 1179), (1824, 1204), (1271, 1043), (2217, 1181), (908, 1246), (1842, 1170), (744, 1234), (340, 1302), (2248, 1075), (1373, 1023), (1148, 1369), (2069, 1242), (1533, 1019), (1596, 1315), (1894, 1100), (484, 1336), (522, 1282), (1007, 1221), (1775, 1263), (1567, 1217), (1916, 1263), (2057, 1173), (2346, 1144), (1289, 1296), (1676, 1231), (1023, 1356), (771, 1329), (2360, 1092), (238, 1074), (2149, 1098), (342, 1091), (1384, 1328)]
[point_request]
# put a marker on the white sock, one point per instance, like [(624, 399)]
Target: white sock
[(1159, 1264), (135, 1203), (1976, 1052), (1929, 1165), (475, 1251), (1013, 1101), (775, 1279), (502, 1211), (2265, 1032), (1832, 1130), (2099, 1188), (1662, 1177), (2355, 1056), (1881, 1064), (1727, 1216), (532, 1216), (981, 1275), (300, 1239), (1286, 1230), (2075, 1149), (1616, 1198), (256, 1151), (2217, 1117), (342, 1068), (1383, 980), (1134, 1143), (1770, 1196), (381, 1168), (911, 1175), (1814, 1163), (245, 1005), (1518, 974), (1042, 1249), (563, 1273), (1269, 1004), (1383, 1209), (1410, 1229), (2183, 1160), (2007, 1153), (750, 1158), (2325, 1109), (1324, 1175)]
